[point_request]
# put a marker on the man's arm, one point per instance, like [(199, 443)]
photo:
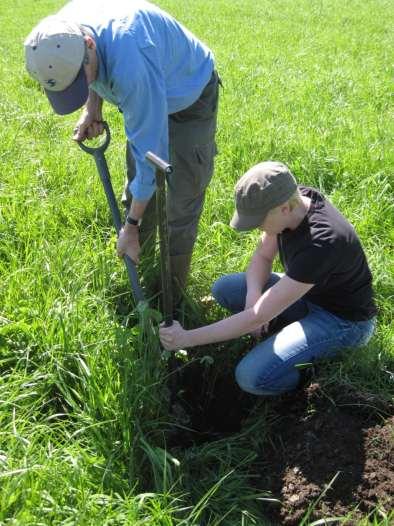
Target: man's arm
[(129, 240), (145, 113), (90, 123), (274, 301)]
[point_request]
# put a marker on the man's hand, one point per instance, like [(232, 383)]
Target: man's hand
[(90, 124), (173, 338), (88, 127), (129, 243)]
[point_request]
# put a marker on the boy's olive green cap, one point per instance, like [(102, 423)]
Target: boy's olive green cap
[(262, 188)]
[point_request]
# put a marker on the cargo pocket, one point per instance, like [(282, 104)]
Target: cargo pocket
[(204, 162)]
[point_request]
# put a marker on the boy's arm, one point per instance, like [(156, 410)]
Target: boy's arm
[(260, 267), (274, 301)]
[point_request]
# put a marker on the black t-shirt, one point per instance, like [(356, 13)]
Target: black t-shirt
[(325, 250)]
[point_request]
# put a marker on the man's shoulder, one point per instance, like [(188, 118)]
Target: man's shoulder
[(101, 14)]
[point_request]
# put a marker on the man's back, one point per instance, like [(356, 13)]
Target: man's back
[(134, 34)]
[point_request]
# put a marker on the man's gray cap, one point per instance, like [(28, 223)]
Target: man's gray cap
[(54, 53), (262, 188)]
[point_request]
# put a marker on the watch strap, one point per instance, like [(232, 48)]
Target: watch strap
[(132, 221)]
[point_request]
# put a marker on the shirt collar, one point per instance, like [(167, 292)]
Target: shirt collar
[(101, 69)]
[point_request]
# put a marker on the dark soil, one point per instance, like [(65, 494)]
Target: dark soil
[(208, 403), (320, 436)]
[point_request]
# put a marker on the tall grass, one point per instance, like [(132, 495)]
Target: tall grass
[(83, 416)]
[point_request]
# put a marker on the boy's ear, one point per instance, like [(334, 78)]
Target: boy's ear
[(285, 208)]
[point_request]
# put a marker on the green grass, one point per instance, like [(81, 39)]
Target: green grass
[(82, 387)]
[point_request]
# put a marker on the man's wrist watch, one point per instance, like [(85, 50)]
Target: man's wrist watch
[(132, 221)]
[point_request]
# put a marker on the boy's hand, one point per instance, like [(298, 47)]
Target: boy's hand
[(174, 337)]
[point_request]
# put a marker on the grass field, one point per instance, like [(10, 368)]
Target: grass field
[(83, 416)]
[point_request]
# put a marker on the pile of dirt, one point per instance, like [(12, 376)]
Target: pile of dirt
[(320, 437)]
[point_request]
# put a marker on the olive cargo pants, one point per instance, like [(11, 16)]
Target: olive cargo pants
[(192, 150)]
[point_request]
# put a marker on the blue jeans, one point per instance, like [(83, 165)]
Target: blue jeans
[(310, 332)]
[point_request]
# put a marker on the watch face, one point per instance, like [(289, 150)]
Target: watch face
[(131, 221)]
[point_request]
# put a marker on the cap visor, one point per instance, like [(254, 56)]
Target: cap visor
[(72, 98), (244, 223)]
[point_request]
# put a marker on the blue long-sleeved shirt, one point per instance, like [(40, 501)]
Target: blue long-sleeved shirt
[(150, 66)]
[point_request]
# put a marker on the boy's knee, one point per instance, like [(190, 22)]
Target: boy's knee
[(217, 291), (246, 379), (230, 291), (256, 382)]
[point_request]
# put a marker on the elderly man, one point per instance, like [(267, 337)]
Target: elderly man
[(321, 305), (162, 78)]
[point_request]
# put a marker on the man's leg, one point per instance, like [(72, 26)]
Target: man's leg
[(270, 367), (192, 151)]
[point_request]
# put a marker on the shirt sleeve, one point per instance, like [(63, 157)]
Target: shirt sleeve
[(144, 107)]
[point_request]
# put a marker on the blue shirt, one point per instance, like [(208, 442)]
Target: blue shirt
[(150, 66)]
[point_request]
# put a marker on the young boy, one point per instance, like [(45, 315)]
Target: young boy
[(324, 301)]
